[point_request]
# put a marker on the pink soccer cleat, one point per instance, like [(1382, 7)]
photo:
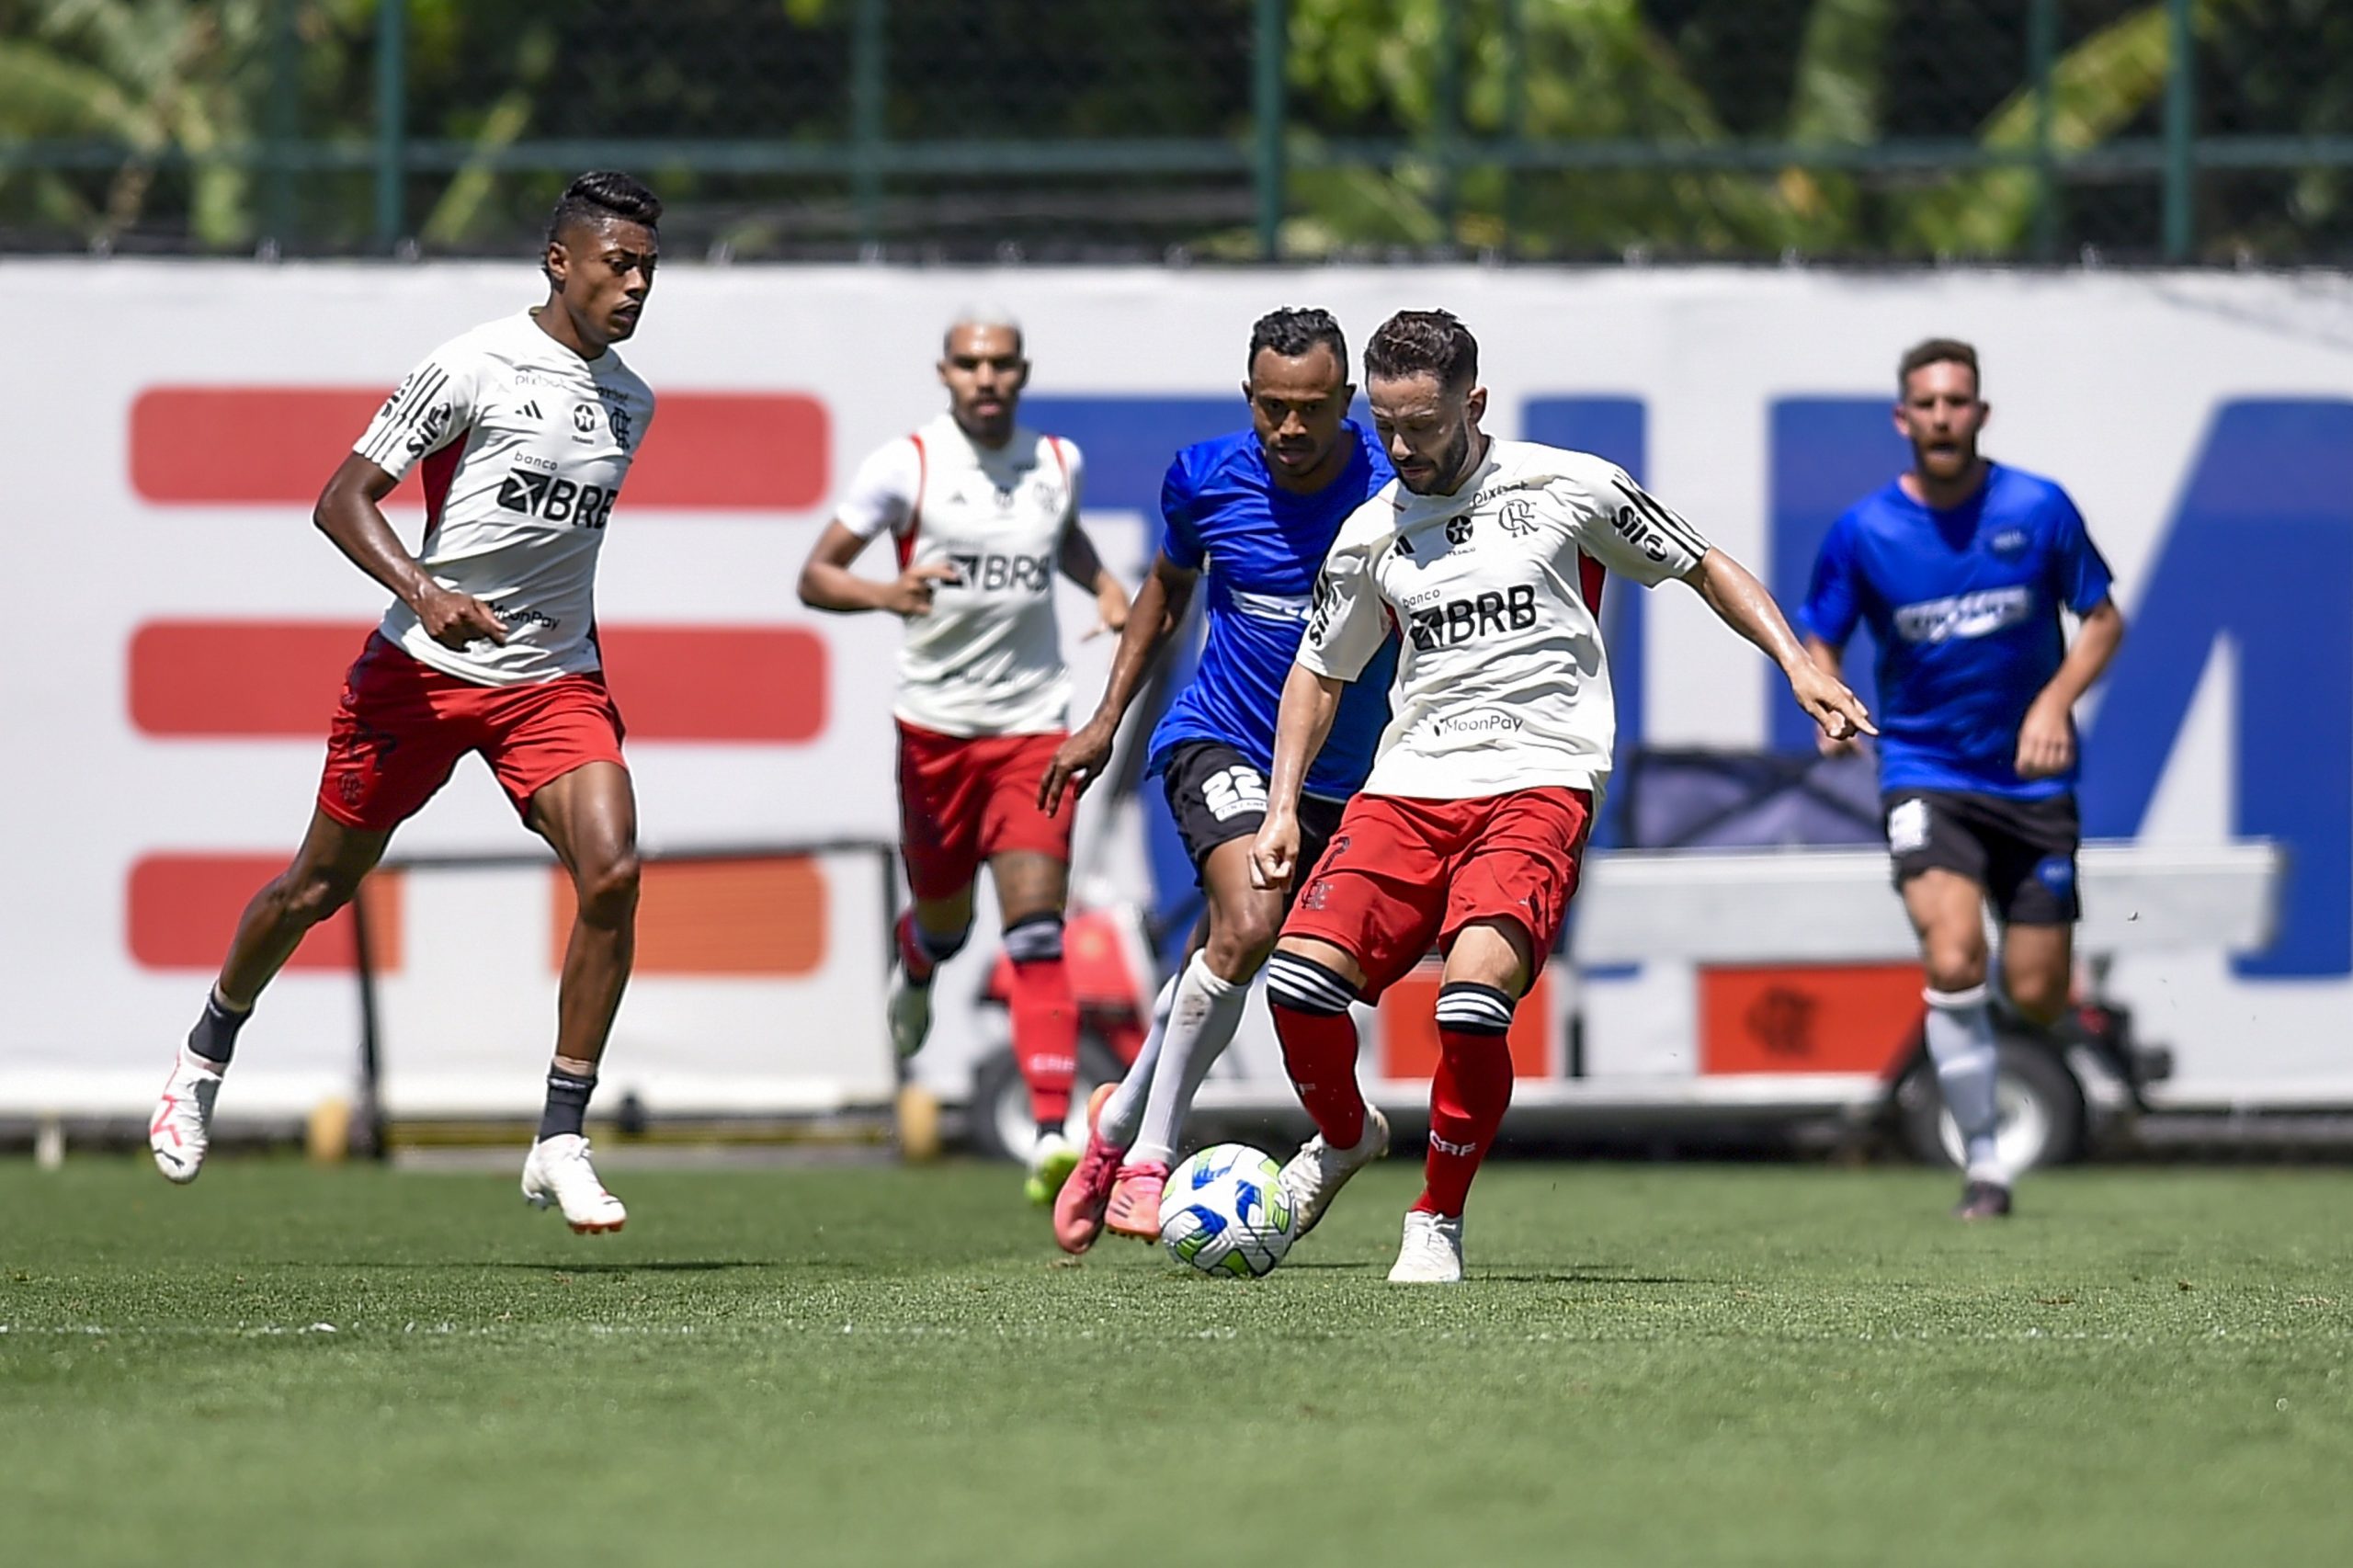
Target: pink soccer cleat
[(1079, 1206), (1135, 1209)]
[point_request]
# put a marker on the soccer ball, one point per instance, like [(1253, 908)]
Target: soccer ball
[(1225, 1212)]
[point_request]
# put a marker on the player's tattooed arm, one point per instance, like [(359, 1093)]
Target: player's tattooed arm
[(827, 583), (1741, 602), (1311, 701), (352, 513), (2047, 736), (1159, 608), (1082, 565)]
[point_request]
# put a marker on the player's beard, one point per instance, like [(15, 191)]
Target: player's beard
[(1963, 461), (1450, 469)]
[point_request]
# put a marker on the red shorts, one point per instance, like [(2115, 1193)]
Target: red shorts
[(964, 799), (403, 725), (1404, 875)]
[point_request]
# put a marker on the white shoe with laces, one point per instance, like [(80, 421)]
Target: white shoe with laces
[(1316, 1175), (180, 1130), (558, 1174), (908, 1006), (1432, 1253)]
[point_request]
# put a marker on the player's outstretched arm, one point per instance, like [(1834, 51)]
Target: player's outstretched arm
[(827, 583), (1831, 660), (1159, 608), (1082, 565), (2046, 737), (1309, 703), (1741, 602), (352, 513)]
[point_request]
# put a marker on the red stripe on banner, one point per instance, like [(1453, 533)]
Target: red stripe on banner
[(257, 679), (181, 909), (717, 451)]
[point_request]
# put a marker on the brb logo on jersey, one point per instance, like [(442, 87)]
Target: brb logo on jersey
[(1459, 620), (997, 574), (557, 500)]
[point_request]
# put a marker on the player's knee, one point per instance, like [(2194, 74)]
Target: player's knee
[(1305, 986), (608, 891), (1954, 966), (1034, 938), (2040, 996), (309, 895), (1238, 948)]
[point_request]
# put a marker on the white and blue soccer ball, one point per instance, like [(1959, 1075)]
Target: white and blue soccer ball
[(1225, 1212)]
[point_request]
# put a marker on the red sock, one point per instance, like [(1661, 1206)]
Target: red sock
[(1320, 1054), (1045, 1035), (1469, 1094)]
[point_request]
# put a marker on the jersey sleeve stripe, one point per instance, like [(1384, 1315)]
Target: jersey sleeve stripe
[(1675, 528), (404, 417)]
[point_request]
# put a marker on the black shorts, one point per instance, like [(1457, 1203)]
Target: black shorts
[(2022, 852), (1218, 795)]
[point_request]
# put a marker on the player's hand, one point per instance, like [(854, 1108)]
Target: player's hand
[(456, 620), (1078, 762), (1850, 745), (1840, 712), (1110, 613), (910, 595), (2046, 740), (1274, 855)]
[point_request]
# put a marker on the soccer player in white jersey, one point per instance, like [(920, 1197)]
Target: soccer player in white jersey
[(984, 512), (525, 429), (1489, 555)]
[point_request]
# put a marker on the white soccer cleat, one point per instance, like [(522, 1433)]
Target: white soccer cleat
[(558, 1174), (1316, 1175), (909, 1010), (180, 1131), (1432, 1254)]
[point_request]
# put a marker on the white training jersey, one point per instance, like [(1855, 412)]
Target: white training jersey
[(523, 445), (988, 659), (1501, 682)]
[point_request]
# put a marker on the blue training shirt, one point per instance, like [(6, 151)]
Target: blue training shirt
[(1964, 607), (1262, 546)]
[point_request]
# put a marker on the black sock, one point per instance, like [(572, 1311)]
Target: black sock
[(1050, 1130), (215, 1035), (567, 1103)]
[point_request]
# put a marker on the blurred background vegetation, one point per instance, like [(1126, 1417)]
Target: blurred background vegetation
[(1070, 129)]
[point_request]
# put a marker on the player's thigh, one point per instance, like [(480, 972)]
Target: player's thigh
[(1244, 919), (589, 817), (1217, 798), (397, 732), (1028, 850), (1948, 913), (1377, 895), (2031, 855), (1512, 879)]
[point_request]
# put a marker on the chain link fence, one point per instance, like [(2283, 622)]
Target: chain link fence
[(2046, 130)]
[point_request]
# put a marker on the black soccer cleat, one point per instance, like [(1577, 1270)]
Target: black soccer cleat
[(1982, 1200)]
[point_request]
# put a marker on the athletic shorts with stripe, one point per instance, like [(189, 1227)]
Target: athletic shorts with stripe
[(1404, 875), (962, 799), (403, 725)]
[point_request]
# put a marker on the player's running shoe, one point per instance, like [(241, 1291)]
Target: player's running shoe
[(1316, 1175), (180, 1130), (558, 1174), (1052, 1159), (1982, 1200), (1134, 1210), (1432, 1253), (908, 1006), (1078, 1207)]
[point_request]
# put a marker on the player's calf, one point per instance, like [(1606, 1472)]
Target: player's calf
[(1310, 1007)]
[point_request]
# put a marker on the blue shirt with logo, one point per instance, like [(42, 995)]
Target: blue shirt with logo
[(1963, 605), (1258, 548)]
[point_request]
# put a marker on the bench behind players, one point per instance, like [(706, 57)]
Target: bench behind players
[(1960, 568), (1469, 832), (525, 429), (984, 513)]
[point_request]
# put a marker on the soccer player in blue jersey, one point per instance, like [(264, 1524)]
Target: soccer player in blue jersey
[(1960, 567), (1255, 512)]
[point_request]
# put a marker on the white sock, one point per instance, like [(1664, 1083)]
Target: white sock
[(1961, 1043), (1199, 1026), (1123, 1112)]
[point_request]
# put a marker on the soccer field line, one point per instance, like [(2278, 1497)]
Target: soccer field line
[(717, 1332)]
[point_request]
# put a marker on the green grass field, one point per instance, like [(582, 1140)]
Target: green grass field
[(1653, 1365)]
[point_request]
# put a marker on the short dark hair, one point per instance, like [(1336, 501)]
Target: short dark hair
[(1424, 342), (604, 193), (1937, 351), (1291, 332)]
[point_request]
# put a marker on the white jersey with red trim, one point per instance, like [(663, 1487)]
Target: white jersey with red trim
[(524, 446), (1501, 680), (988, 659)]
